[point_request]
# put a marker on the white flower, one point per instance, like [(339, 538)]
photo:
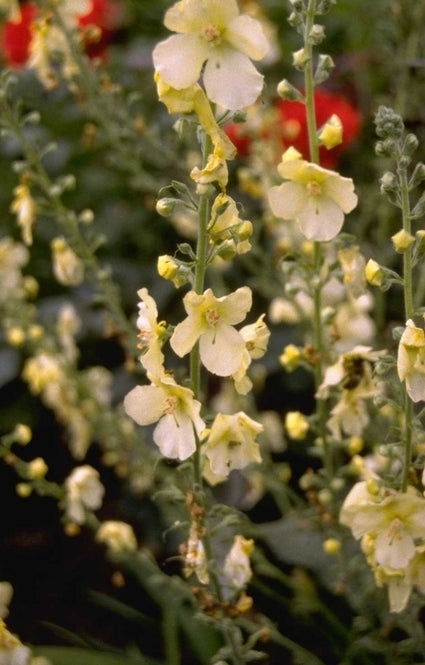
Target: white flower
[(212, 32), (150, 334), (411, 361), (236, 565), (231, 443), (118, 536), (175, 409), (393, 519), (83, 491), (315, 197), (211, 320)]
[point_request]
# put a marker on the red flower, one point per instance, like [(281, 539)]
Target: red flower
[(286, 125), (15, 38)]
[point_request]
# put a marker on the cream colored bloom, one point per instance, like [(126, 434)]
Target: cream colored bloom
[(151, 334), (195, 560), (256, 336), (237, 567), (210, 320), (395, 521), (231, 443), (68, 268), (12, 651), (212, 32), (411, 361), (23, 205), (83, 490), (176, 410), (315, 197), (215, 170), (118, 536)]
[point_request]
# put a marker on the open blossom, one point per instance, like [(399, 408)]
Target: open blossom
[(236, 565), (210, 320), (231, 443), (176, 411), (391, 528), (411, 361), (212, 32), (150, 334), (83, 490), (256, 336), (313, 196)]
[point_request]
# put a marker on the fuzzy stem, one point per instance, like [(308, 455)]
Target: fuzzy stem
[(408, 313)]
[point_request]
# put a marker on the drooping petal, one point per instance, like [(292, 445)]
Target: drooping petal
[(221, 350), (174, 436), (246, 35), (231, 79), (320, 219), (145, 404), (179, 59), (399, 591), (287, 200)]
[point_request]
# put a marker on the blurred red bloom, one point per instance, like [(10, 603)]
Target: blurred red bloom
[(15, 38), (285, 125)]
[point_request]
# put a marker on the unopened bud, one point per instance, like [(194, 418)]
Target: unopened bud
[(374, 273), (402, 241), (286, 90), (300, 59), (331, 133), (165, 207)]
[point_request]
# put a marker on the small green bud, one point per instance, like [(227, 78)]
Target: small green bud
[(389, 182), (418, 175), (388, 123), (165, 207), (286, 90), (386, 148), (300, 59), (316, 34), (410, 144), (325, 65), (419, 209)]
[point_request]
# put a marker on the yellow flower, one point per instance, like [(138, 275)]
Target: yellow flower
[(211, 320), (331, 133), (296, 424), (212, 32), (313, 196), (374, 273)]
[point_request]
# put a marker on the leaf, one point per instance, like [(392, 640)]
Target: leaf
[(76, 656)]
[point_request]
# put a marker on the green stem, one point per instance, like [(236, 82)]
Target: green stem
[(309, 84), (408, 313)]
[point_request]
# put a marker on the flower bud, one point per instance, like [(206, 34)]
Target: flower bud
[(316, 34), (286, 90), (389, 182), (332, 546), (166, 206), (296, 424), (418, 175), (388, 123), (290, 358), (402, 241), (331, 133), (374, 273), (325, 65), (300, 59)]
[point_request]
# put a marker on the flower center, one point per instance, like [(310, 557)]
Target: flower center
[(212, 317), (212, 34), (395, 530), (171, 404), (314, 188)]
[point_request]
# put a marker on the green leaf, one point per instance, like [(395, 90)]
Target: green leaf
[(76, 656)]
